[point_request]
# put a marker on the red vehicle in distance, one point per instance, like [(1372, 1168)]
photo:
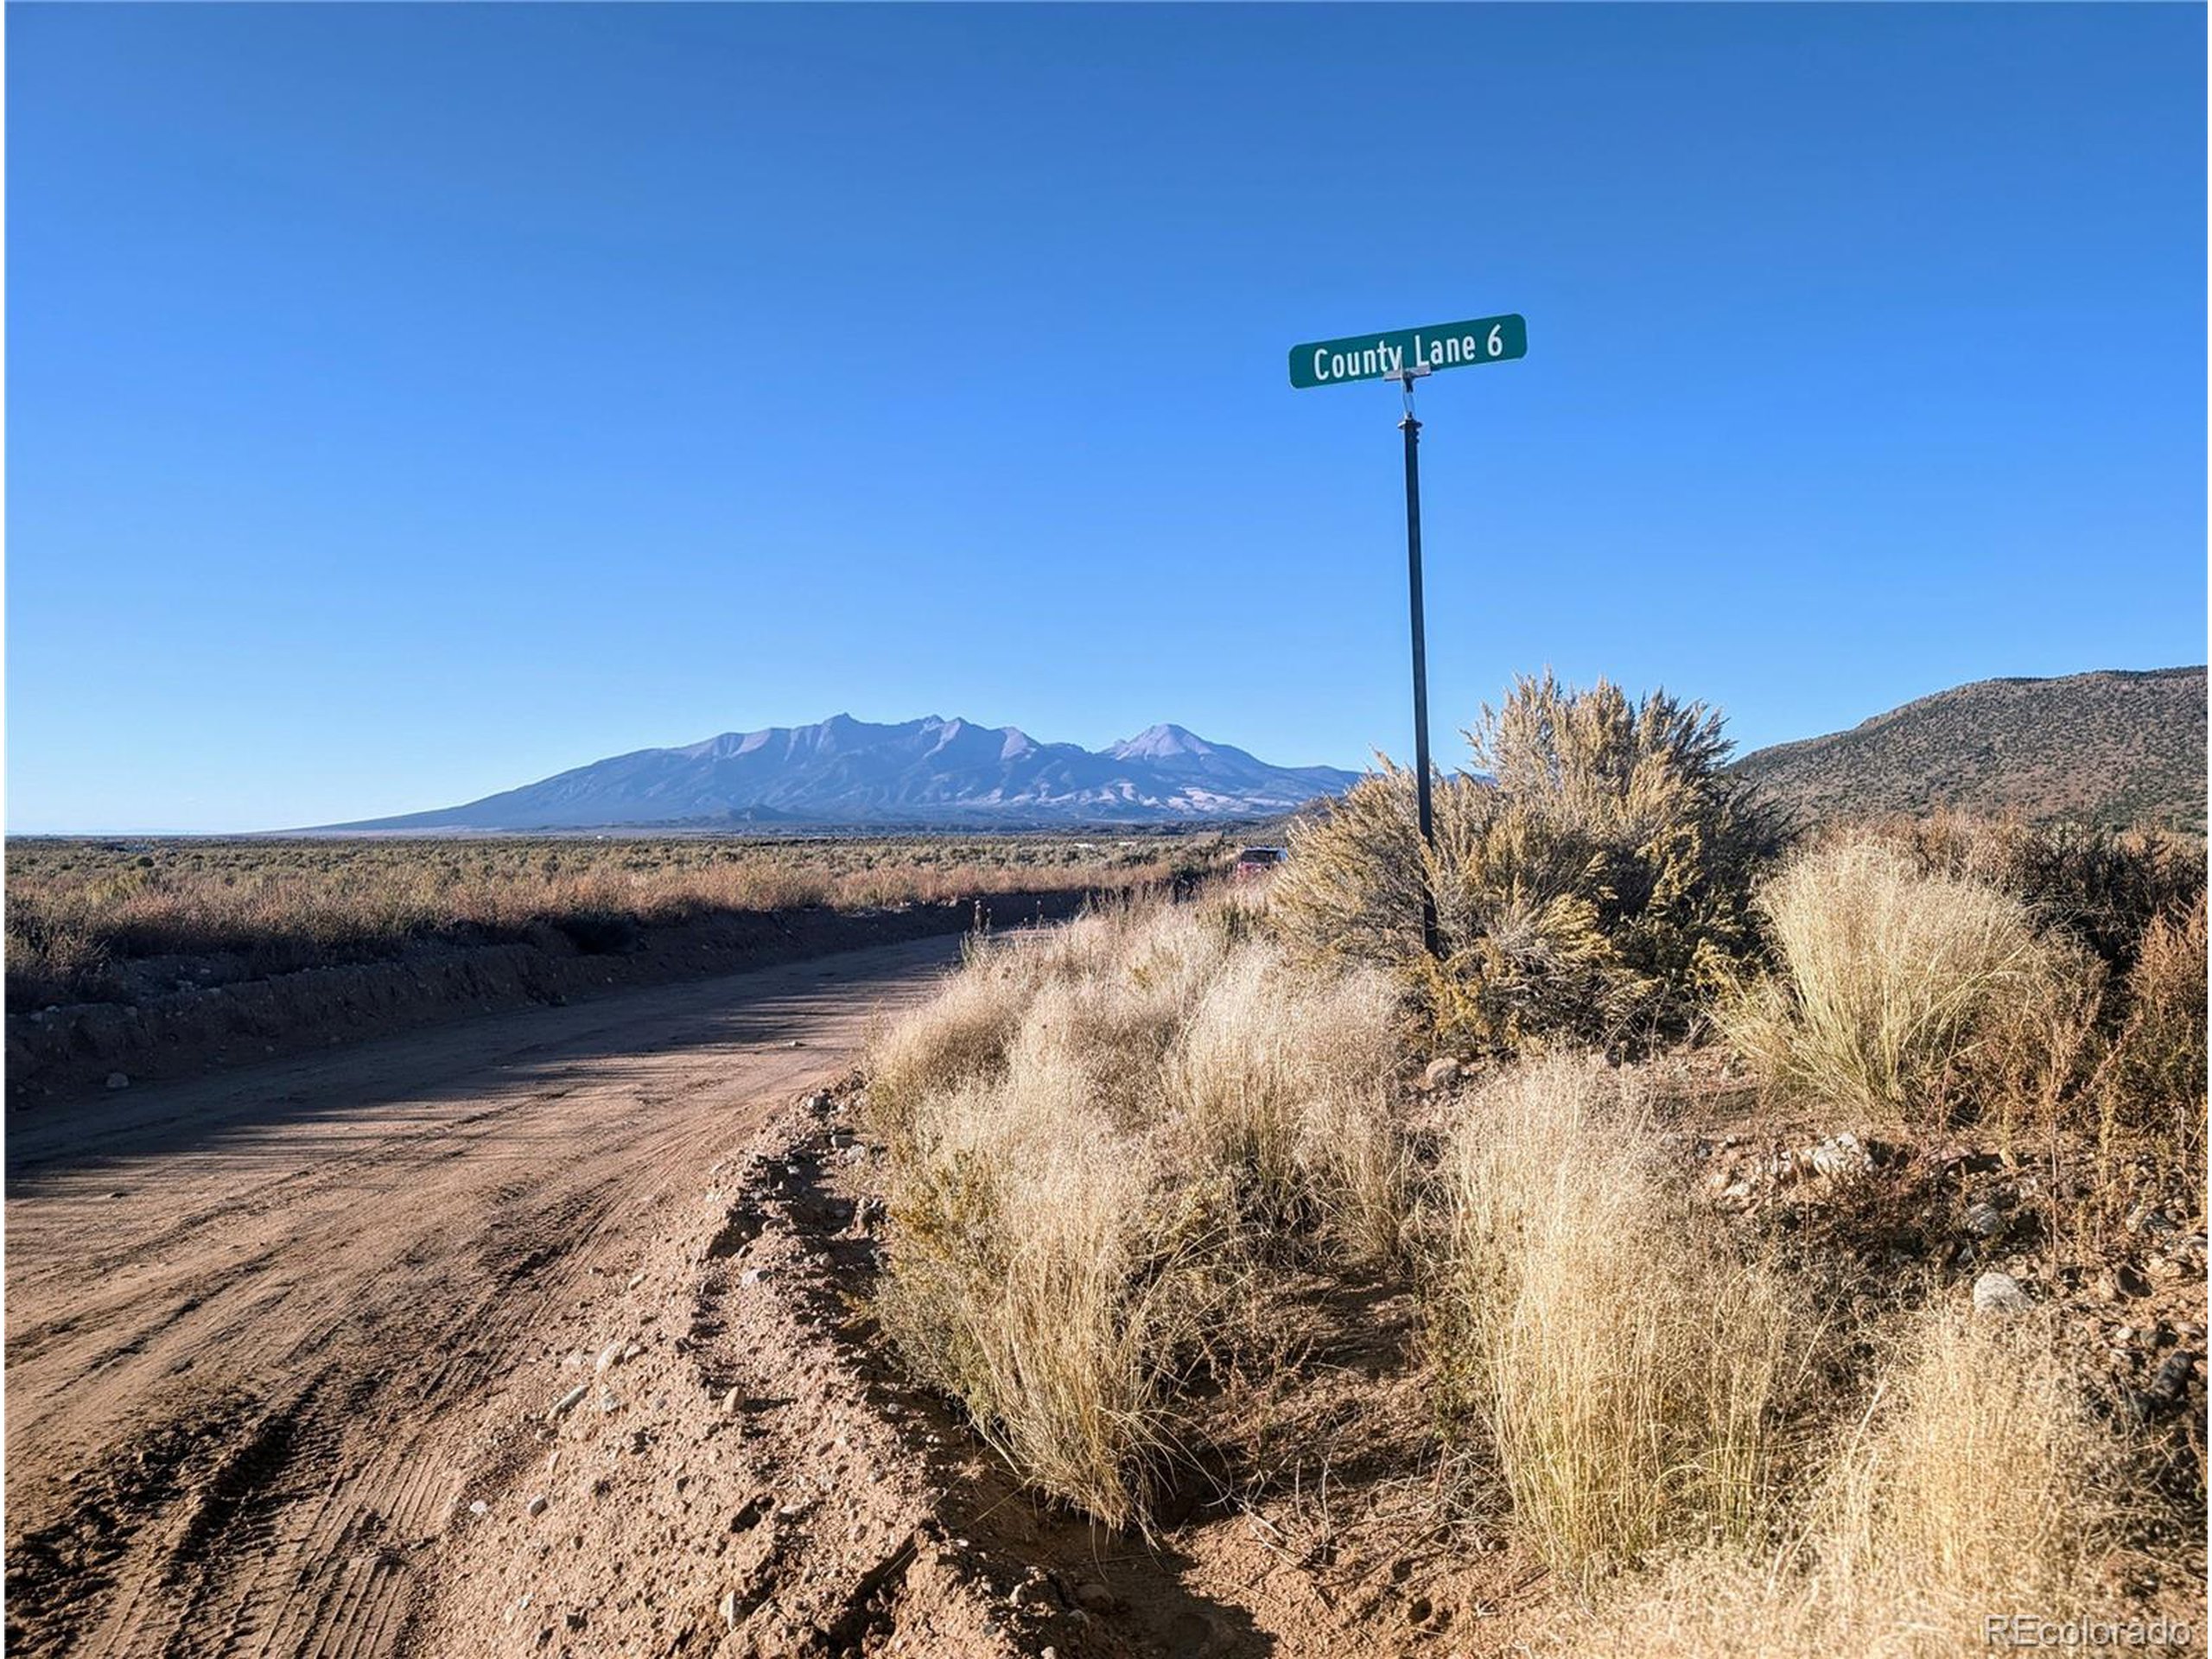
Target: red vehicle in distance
[(1255, 862)]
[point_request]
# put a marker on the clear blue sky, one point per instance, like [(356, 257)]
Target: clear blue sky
[(404, 402)]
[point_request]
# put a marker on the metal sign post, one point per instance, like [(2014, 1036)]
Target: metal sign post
[(1405, 355), (1429, 937)]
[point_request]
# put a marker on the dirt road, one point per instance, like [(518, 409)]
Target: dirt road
[(254, 1322)]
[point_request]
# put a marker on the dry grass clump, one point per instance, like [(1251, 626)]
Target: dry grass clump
[(1283, 1076), (1888, 978), (1092, 1136), (1911, 986), (1591, 892), (961, 1034), (1052, 1273), (1981, 1471), (1632, 1370), (1101, 996), (1976, 1484)]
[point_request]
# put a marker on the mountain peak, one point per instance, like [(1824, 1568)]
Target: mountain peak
[(1161, 742)]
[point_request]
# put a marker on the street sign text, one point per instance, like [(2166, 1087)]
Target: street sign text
[(1377, 357)]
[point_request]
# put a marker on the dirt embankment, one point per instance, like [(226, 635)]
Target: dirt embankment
[(208, 1021)]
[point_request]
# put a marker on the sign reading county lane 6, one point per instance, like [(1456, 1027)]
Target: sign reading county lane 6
[(1377, 357)]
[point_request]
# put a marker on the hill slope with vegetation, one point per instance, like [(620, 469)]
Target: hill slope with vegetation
[(2114, 747)]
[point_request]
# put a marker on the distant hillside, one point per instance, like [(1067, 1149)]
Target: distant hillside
[(2115, 747), (939, 772)]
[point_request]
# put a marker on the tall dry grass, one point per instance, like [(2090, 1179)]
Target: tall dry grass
[(1888, 978), (1049, 1272), (1974, 1483), (1631, 1370), (1283, 1075), (1980, 1470), (1095, 1135), (960, 1035)]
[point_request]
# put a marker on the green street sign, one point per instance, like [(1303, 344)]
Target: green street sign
[(1380, 357)]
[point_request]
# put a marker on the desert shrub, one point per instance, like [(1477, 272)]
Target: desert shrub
[(2036, 1057), (1530, 958), (1891, 979), (1630, 1368), (1357, 874), (76, 910), (2105, 886), (1646, 781), (1975, 1484), (2152, 1086), (1594, 889), (52, 959)]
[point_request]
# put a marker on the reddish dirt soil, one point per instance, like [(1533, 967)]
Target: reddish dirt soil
[(270, 1336)]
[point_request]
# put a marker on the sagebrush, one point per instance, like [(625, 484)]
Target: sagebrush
[(80, 914), (1592, 887)]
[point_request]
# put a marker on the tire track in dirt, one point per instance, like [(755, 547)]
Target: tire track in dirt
[(254, 1321)]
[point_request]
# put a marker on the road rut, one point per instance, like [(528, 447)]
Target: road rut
[(254, 1321)]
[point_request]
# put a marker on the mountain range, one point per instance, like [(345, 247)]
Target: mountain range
[(2116, 746), (927, 773)]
